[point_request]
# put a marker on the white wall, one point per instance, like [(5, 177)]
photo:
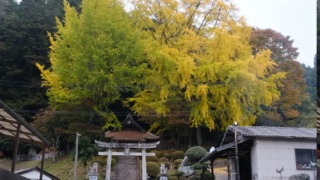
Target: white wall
[(267, 155), (254, 159)]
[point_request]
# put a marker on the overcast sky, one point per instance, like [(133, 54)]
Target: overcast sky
[(294, 18)]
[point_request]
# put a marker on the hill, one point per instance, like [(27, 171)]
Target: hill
[(62, 168)]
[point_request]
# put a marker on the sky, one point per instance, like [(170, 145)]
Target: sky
[(294, 18)]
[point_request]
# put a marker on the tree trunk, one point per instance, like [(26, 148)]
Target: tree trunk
[(199, 136), (190, 138)]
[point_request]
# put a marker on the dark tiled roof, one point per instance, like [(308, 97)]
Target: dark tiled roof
[(280, 132), (133, 136)]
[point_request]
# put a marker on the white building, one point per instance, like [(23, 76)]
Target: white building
[(268, 152)]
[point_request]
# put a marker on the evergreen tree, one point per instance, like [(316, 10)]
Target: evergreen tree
[(23, 42)]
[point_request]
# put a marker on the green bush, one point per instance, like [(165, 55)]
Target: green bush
[(159, 154), (179, 173), (194, 177), (163, 159), (197, 172), (199, 166), (195, 153), (100, 159), (173, 178), (168, 156), (113, 162), (177, 162), (207, 176), (152, 159), (177, 155), (153, 169)]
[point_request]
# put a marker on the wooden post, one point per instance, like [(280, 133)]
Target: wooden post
[(76, 157), (108, 170), (144, 165), (229, 164), (15, 149), (42, 162), (212, 170)]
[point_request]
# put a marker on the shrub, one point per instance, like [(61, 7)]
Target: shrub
[(152, 159), (194, 177), (173, 178), (208, 176), (177, 155), (177, 162), (153, 169), (197, 172), (100, 159), (199, 166), (168, 156), (163, 159), (195, 153), (179, 173), (113, 162), (158, 153)]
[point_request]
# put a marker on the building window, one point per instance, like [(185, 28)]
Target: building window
[(305, 158)]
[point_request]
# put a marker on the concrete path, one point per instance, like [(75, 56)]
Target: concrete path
[(127, 168)]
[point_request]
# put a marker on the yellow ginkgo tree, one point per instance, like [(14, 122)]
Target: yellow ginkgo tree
[(198, 55), (186, 57), (94, 58)]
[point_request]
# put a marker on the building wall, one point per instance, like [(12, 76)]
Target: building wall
[(267, 155), (254, 160)]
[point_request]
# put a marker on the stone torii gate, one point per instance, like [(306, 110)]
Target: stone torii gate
[(132, 136)]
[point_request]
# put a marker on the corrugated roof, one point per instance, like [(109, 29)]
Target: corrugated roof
[(9, 122), (280, 132)]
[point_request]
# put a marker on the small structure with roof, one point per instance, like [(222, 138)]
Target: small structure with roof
[(131, 138), (260, 152), (13, 126)]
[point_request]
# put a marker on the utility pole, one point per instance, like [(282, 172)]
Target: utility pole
[(76, 156), (236, 150)]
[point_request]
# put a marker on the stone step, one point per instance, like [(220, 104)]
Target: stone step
[(127, 168)]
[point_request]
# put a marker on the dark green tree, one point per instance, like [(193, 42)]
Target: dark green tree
[(23, 41), (87, 149)]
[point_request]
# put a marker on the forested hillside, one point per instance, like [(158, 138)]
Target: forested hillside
[(180, 68)]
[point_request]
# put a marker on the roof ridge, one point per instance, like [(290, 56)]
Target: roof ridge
[(276, 127)]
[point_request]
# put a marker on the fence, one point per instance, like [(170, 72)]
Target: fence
[(275, 178), (21, 158)]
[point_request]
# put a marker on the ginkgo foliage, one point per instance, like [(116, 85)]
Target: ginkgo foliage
[(188, 57), (198, 54), (93, 57)]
